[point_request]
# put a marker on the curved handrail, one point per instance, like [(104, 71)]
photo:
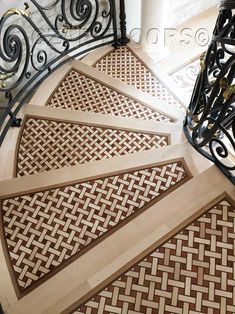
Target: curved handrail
[(210, 120)]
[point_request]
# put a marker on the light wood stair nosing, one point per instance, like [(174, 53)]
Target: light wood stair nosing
[(100, 120), (102, 168)]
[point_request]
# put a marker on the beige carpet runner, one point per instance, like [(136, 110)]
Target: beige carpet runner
[(81, 93), (124, 65), (192, 273), (46, 230), (47, 144)]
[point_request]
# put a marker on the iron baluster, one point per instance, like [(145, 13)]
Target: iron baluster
[(210, 119), (123, 39)]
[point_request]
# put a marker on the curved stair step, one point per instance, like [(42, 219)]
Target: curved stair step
[(58, 225), (131, 65), (194, 161), (179, 274), (86, 276), (52, 138), (80, 87)]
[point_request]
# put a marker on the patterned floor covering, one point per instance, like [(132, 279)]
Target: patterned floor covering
[(122, 64), (46, 230), (47, 144), (81, 93), (193, 272)]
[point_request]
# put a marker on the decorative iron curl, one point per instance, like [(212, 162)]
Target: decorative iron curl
[(16, 50), (86, 16), (12, 48), (26, 60), (81, 11), (219, 150)]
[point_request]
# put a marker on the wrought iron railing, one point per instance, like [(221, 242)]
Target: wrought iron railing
[(210, 121), (35, 41)]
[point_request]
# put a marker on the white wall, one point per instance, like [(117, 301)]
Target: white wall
[(133, 12), (183, 10), (180, 11), (177, 14)]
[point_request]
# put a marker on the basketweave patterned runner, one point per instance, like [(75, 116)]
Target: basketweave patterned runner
[(122, 64), (46, 144), (81, 93), (191, 273), (44, 231)]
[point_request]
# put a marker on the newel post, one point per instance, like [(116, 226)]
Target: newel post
[(123, 40)]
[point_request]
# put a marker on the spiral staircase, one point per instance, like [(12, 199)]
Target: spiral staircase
[(105, 206)]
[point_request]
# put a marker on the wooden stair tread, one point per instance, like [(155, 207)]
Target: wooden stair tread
[(52, 139)]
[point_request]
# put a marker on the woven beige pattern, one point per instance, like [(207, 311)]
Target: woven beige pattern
[(192, 273), (48, 144), (81, 93), (44, 230), (123, 65)]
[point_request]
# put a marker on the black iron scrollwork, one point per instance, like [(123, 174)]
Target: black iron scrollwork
[(210, 120), (32, 45)]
